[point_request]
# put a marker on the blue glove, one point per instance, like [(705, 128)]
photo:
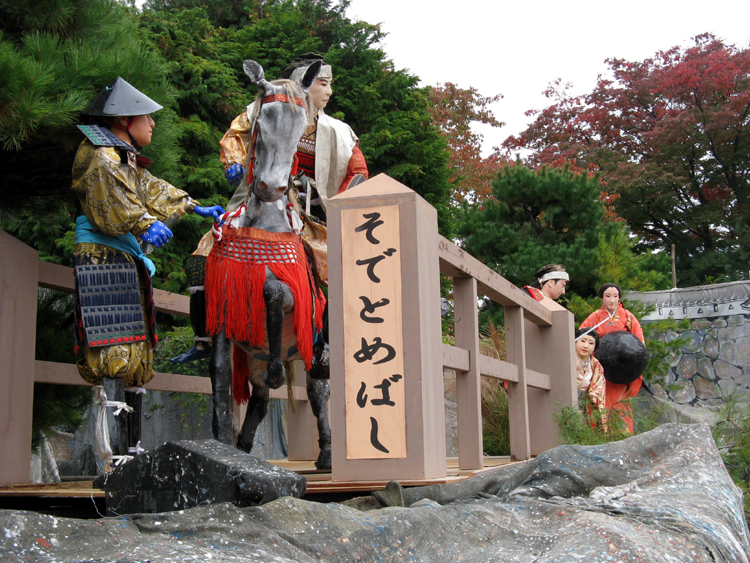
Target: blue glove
[(214, 211), (157, 235), (234, 174)]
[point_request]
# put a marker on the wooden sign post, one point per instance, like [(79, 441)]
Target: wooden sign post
[(387, 413)]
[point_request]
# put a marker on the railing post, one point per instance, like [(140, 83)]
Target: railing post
[(518, 393), (301, 426), (468, 383), (18, 298), (554, 355), (384, 315)]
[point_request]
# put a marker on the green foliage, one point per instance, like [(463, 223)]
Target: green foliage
[(56, 406), (495, 420), (55, 55), (173, 343), (537, 217), (383, 106), (663, 342), (731, 433), (577, 427)]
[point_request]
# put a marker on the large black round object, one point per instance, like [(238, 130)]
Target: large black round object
[(622, 356)]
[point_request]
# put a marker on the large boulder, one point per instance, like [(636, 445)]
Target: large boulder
[(659, 497), (188, 473), (622, 356)]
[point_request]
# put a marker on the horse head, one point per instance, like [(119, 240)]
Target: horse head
[(280, 123)]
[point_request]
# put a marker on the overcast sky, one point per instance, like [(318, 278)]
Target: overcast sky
[(517, 48)]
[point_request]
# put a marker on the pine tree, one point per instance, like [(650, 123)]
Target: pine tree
[(55, 55)]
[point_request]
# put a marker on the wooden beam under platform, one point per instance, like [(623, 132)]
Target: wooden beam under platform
[(318, 483)]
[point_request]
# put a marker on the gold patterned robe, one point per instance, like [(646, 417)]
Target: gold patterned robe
[(119, 197)]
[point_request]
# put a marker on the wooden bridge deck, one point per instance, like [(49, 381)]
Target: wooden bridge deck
[(318, 482)]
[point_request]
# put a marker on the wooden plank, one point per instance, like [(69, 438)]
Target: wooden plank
[(468, 385), (67, 374), (455, 358), (492, 367), (18, 301), (73, 489), (54, 276), (518, 393), (538, 380), (457, 263)]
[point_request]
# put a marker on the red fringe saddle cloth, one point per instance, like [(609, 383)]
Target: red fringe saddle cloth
[(235, 275)]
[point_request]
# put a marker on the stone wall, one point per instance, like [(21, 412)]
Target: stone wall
[(715, 362)]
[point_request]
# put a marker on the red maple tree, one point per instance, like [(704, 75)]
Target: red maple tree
[(453, 110), (671, 136)]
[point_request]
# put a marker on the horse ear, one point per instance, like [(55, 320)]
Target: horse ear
[(255, 72), (310, 75)]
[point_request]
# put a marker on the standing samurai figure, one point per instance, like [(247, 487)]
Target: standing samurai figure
[(124, 210)]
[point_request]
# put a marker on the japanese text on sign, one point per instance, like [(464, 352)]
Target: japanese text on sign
[(373, 343)]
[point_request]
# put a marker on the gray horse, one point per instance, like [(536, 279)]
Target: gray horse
[(258, 264)]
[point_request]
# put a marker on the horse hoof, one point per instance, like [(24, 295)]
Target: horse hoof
[(324, 459), (275, 374), (244, 445)]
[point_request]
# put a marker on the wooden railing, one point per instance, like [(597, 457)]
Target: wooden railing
[(21, 273), (539, 367)]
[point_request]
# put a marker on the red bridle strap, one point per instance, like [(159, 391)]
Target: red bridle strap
[(282, 98)]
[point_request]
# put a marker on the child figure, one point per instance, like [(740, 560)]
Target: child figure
[(590, 374)]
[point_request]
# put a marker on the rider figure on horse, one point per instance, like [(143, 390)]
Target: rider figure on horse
[(328, 154)]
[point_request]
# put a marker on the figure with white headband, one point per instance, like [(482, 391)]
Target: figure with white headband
[(549, 282), (614, 317)]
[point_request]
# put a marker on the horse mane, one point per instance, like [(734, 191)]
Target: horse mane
[(292, 90)]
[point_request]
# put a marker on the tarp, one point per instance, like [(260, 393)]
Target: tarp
[(663, 496)]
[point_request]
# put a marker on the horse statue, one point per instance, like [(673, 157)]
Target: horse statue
[(260, 290)]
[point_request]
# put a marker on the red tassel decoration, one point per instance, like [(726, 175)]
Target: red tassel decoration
[(236, 274)]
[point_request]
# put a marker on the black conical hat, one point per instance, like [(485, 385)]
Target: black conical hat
[(120, 98)]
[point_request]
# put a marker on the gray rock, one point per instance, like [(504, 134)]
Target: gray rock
[(726, 370), (658, 391), (705, 389), (736, 320), (742, 351), (662, 496), (711, 346), (719, 323), (726, 351), (685, 392), (731, 333), (671, 335), (728, 387), (180, 475), (701, 324), (688, 366), (706, 369), (694, 342)]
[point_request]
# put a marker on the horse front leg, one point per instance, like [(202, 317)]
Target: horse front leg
[(220, 370), (318, 393), (278, 298)]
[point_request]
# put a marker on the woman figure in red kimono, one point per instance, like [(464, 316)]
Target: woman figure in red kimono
[(610, 318)]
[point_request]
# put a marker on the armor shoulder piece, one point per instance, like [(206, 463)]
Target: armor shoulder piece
[(103, 137)]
